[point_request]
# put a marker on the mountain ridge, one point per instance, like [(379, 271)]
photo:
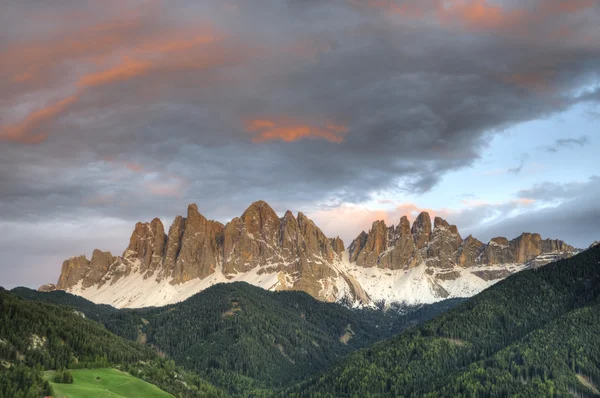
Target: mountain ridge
[(425, 262)]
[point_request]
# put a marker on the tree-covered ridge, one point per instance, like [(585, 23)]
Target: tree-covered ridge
[(122, 323), (559, 359), (416, 362), (245, 338), (37, 336), (55, 336)]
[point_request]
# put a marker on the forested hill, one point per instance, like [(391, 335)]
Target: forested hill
[(37, 336), (536, 333), (245, 338)]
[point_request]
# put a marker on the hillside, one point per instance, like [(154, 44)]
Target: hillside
[(242, 337), (514, 332), (36, 336)]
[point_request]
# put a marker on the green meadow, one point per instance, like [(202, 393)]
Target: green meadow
[(92, 383)]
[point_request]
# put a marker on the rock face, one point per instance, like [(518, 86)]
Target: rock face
[(421, 230), (424, 262), (199, 253), (337, 245), (470, 251), (292, 249), (147, 245), (403, 247), (50, 287)]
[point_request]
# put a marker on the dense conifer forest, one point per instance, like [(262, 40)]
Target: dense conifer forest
[(536, 333), (37, 336), (244, 338)]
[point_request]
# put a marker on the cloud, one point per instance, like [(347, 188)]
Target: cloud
[(287, 130), (565, 143), (550, 191), (571, 213), (353, 98), (24, 131)]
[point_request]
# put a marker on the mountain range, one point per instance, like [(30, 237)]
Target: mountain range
[(423, 263)]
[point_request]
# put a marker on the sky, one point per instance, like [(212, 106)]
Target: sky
[(483, 112)]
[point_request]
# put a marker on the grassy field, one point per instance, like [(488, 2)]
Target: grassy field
[(92, 383)]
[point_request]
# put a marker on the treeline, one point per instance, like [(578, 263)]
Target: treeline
[(476, 348), (20, 381)]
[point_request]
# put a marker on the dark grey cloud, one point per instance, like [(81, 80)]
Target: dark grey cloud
[(564, 143), (162, 99), (549, 191)]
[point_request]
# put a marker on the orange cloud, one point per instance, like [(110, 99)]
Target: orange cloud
[(23, 132), (289, 130), (168, 45), (22, 77), (477, 14), (125, 71), (98, 41), (152, 55)]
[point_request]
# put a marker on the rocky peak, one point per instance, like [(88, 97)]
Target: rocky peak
[(146, 246), (357, 245), (400, 252), (421, 230), (338, 245), (98, 267), (260, 218), (439, 222), (376, 243), (444, 243), (173, 246), (252, 238), (288, 235), (315, 240), (469, 251), (73, 270), (526, 247), (403, 228), (497, 251), (199, 251)]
